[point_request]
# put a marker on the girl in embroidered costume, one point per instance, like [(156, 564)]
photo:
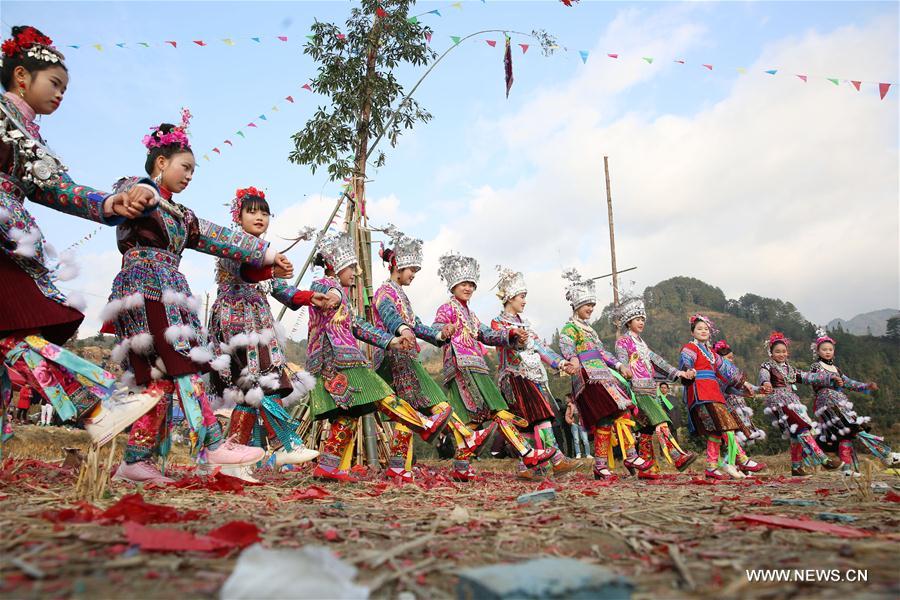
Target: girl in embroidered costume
[(603, 404), (36, 318), (779, 379), (734, 400), (839, 425), (473, 394), (346, 388), (522, 377), (401, 369), (161, 342), (632, 350), (707, 413), (249, 368)]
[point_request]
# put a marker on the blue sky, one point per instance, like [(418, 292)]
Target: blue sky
[(435, 180)]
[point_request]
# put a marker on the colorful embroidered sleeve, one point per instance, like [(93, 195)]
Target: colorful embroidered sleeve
[(389, 314), (662, 365), (73, 199), (323, 286), (209, 238), (368, 333), (547, 355), (854, 385), (429, 334), (728, 373), (493, 337), (622, 352), (568, 342), (611, 361), (812, 378), (444, 316), (764, 375), (687, 359), (285, 293)]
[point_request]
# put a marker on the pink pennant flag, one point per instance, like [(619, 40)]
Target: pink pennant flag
[(802, 77), (613, 55), (883, 89), (524, 48), (428, 36), (283, 38), (341, 36), (306, 86), (679, 61), (708, 67), (491, 43), (229, 142), (289, 99), (217, 151), (174, 44), (251, 124), (856, 84), (200, 42)]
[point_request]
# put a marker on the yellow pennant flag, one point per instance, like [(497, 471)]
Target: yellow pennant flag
[(457, 5), (228, 42), (741, 70), (99, 47)]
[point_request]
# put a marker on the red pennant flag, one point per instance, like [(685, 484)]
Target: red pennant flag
[(803, 77), (251, 124), (174, 44), (380, 12), (341, 36), (217, 151), (524, 48), (229, 142), (289, 99), (708, 67), (883, 89), (283, 38), (856, 84), (508, 67), (306, 86), (200, 42), (491, 43), (613, 55)]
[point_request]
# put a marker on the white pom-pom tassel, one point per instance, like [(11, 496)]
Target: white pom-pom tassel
[(220, 363), (793, 428), (238, 341), (269, 381), (134, 301), (201, 355), (280, 333), (170, 296), (193, 303), (224, 348), (76, 300), (142, 343), (233, 395), (156, 374), (172, 334), (120, 351), (266, 336), (254, 396), (111, 310)]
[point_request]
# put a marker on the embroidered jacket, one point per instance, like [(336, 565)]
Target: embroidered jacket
[(631, 350), (527, 362), (333, 333), (465, 350), (786, 376), (578, 340), (58, 192), (826, 393), (712, 372)]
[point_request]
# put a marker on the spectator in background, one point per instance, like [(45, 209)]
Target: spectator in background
[(46, 412), (579, 435), (675, 415), (23, 404)]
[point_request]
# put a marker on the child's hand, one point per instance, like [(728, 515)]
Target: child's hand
[(767, 388), (448, 331), (873, 386), (133, 203), (625, 370), (283, 269), (837, 381), (321, 301)]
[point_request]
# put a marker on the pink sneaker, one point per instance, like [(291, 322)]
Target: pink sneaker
[(142, 471), (232, 453)]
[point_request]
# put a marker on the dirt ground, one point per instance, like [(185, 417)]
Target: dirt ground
[(679, 536)]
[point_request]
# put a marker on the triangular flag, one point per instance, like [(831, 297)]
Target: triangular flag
[(412, 20), (802, 77), (200, 42), (206, 156), (341, 36), (613, 55), (455, 39), (144, 44), (524, 48), (274, 109), (251, 124), (883, 89), (772, 71), (76, 46), (255, 39), (263, 117), (434, 12), (380, 13), (457, 5), (708, 67), (173, 44), (99, 47), (310, 37), (283, 38), (217, 151), (428, 36), (289, 99), (740, 70), (834, 80), (306, 86), (491, 43), (240, 133), (584, 55), (228, 41), (856, 84), (679, 61), (121, 44), (229, 142), (649, 59)]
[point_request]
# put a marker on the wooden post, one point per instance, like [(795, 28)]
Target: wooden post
[(612, 234)]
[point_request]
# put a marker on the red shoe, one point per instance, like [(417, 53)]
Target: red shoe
[(604, 474), (647, 475), (337, 475), (717, 475), (751, 466), (685, 460), (477, 442), (644, 466), (537, 457), (462, 471), (438, 424), (397, 471)]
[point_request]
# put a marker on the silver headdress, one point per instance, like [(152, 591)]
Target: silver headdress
[(510, 284), (579, 291), (630, 308), (338, 251), (407, 250), (455, 269)]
